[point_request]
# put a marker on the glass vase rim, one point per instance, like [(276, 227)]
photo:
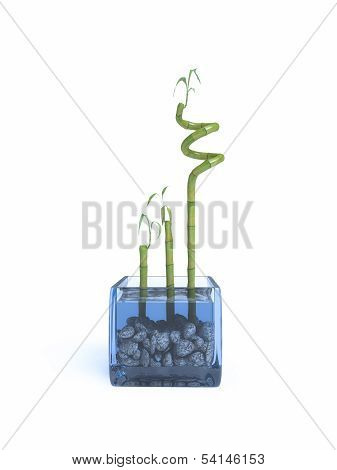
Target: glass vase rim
[(153, 282)]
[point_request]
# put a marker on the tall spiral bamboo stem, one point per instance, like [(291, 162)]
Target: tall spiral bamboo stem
[(209, 160)]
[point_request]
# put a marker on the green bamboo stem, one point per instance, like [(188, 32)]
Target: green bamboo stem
[(142, 304), (169, 255), (169, 270), (192, 308), (143, 249), (210, 160), (170, 307)]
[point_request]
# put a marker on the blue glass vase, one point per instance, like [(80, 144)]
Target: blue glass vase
[(165, 339)]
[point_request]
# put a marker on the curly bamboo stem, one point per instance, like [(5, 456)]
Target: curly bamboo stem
[(210, 160)]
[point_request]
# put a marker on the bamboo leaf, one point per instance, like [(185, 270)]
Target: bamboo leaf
[(157, 224), (151, 197), (163, 213), (195, 73), (149, 244), (141, 219), (169, 213), (163, 191), (183, 80), (191, 89)]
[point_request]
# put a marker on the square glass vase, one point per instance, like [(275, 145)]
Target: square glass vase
[(161, 337)]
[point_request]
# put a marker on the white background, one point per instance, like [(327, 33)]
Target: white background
[(120, 60)]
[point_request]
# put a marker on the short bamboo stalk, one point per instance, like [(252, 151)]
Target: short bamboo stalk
[(143, 250), (169, 255), (169, 270), (192, 307)]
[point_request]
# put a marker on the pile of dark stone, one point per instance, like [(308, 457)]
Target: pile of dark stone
[(146, 343)]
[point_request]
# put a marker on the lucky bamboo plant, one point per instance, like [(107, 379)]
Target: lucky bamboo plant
[(148, 350), (209, 160)]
